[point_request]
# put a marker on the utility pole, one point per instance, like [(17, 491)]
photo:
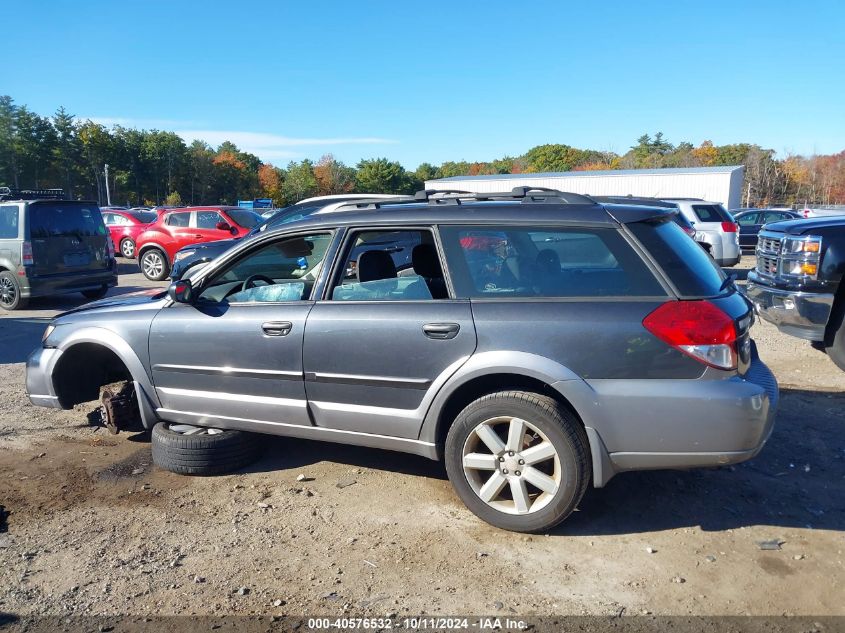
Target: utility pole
[(108, 193)]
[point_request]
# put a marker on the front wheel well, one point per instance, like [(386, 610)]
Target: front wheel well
[(837, 315), (82, 369), (491, 383), (148, 247)]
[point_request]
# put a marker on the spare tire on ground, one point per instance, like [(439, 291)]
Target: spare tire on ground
[(194, 450)]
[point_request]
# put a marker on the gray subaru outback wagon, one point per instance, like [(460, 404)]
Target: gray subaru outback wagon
[(535, 340)]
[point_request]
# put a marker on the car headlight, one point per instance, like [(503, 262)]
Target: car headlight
[(180, 255), (801, 256), (806, 244)]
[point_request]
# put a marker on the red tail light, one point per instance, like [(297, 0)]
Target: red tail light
[(26, 254), (698, 329), (729, 227), (806, 213)]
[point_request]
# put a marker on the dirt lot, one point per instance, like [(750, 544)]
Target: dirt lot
[(94, 528)]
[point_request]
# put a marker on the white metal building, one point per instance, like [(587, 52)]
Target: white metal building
[(715, 184)]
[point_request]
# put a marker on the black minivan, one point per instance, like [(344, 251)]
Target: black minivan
[(52, 246)]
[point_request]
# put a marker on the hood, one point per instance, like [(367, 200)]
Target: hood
[(130, 301), (803, 227)]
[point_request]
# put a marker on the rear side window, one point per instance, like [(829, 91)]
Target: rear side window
[(65, 220), (179, 219), (508, 261), (8, 222), (711, 213), (689, 268)]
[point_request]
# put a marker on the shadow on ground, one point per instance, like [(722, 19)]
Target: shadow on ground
[(795, 482)]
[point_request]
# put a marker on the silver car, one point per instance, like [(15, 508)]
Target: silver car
[(715, 229), (536, 341)]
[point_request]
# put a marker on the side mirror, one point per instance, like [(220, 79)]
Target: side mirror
[(181, 291), (224, 226)]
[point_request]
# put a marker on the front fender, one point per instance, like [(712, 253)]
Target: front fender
[(147, 399)]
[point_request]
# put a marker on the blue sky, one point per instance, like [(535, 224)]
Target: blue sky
[(435, 81)]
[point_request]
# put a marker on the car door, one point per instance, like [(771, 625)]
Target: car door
[(749, 227), (378, 345), (233, 357)]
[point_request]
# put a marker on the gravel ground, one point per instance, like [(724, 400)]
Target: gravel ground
[(94, 529)]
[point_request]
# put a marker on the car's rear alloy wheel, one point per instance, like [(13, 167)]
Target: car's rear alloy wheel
[(10, 292), (196, 450), (154, 265), (127, 248), (519, 460)]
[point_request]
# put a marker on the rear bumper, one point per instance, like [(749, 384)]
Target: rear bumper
[(65, 284), (800, 314), (680, 424), (39, 378)]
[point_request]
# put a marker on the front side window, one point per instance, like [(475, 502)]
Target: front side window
[(391, 265), (208, 219), (749, 219), (510, 261), (284, 270), (179, 219)]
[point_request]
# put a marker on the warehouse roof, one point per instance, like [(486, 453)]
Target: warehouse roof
[(667, 171)]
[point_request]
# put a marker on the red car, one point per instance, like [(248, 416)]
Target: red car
[(190, 225), (125, 226)]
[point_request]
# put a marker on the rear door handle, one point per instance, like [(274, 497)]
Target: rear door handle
[(277, 328), (441, 331)]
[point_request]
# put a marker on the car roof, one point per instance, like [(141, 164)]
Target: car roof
[(479, 212)]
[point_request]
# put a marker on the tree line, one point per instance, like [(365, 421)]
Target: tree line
[(149, 167)]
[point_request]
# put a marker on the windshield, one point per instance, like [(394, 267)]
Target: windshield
[(244, 218), (144, 217)]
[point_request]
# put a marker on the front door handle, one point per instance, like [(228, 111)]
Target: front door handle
[(277, 328), (441, 331)]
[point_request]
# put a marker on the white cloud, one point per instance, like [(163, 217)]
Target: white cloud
[(267, 147)]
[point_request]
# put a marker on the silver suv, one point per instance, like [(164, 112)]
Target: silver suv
[(51, 246), (536, 341), (715, 229)]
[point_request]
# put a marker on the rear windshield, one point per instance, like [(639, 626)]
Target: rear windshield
[(244, 218), (693, 272), (494, 262), (711, 213), (65, 220), (144, 217)]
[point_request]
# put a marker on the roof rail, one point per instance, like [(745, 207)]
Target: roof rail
[(457, 196), (11, 193), (426, 194)]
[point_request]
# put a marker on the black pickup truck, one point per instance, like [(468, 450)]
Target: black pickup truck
[(798, 281)]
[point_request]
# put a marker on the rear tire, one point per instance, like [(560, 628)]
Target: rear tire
[(127, 248), (221, 452), (154, 264), (99, 293), (10, 292), (520, 461)]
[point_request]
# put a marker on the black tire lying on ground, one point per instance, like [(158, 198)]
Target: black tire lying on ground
[(203, 454)]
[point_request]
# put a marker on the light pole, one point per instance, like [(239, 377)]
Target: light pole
[(108, 193)]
